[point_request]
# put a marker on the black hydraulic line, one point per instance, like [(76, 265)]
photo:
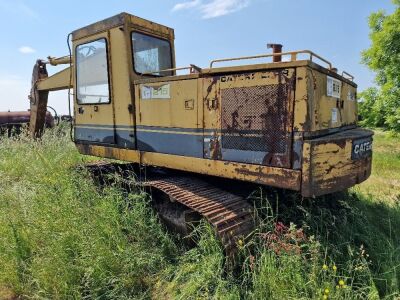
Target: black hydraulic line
[(69, 89)]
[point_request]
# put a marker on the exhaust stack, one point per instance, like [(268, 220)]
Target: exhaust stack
[(276, 48)]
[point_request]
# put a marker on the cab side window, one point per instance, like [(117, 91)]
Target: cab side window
[(151, 54)]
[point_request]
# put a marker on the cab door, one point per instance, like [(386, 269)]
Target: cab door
[(166, 106), (167, 118), (94, 112)]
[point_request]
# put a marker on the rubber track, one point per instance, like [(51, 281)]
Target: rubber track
[(230, 215)]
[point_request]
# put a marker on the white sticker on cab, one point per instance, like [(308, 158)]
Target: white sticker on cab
[(155, 92), (334, 117), (334, 87)]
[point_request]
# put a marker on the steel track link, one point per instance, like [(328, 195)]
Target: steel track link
[(231, 216)]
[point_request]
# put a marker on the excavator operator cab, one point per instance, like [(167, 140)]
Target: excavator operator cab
[(109, 56)]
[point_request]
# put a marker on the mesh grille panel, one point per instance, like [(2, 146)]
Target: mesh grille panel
[(256, 118)]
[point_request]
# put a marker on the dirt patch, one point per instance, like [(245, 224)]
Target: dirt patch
[(7, 294)]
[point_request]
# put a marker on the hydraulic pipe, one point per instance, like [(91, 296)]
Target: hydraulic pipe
[(55, 61)]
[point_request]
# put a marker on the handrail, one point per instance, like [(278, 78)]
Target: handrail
[(348, 74), (293, 55)]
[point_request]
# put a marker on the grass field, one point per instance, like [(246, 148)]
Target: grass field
[(63, 238), (384, 183)]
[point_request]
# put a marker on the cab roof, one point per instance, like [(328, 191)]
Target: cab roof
[(122, 19)]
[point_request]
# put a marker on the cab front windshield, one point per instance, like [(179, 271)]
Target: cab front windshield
[(92, 73)]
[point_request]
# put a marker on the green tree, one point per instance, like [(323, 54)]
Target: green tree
[(372, 108), (381, 107)]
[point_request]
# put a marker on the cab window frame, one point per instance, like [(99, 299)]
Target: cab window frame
[(171, 73), (108, 72)]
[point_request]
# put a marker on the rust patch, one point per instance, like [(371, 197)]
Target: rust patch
[(358, 175), (288, 179), (215, 148), (109, 152), (340, 143), (304, 124), (360, 171), (210, 88)]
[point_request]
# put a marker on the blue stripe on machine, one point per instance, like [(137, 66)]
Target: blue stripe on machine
[(178, 141), (122, 138), (95, 135), (174, 129), (170, 143), (150, 141), (144, 127)]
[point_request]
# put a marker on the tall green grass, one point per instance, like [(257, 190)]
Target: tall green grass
[(62, 237), (384, 183), (326, 243)]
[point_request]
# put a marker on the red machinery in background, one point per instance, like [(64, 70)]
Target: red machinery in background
[(12, 122)]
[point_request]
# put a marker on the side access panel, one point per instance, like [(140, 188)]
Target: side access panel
[(249, 117)]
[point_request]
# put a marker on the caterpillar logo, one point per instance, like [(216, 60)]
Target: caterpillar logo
[(361, 148)]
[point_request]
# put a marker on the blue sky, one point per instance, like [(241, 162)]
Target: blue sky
[(204, 29)]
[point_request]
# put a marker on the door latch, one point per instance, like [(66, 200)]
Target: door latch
[(189, 104), (213, 103), (130, 108)]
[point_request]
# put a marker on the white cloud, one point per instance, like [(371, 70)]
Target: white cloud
[(186, 5), (218, 8), (213, 8), (26, 50), (18, 7)]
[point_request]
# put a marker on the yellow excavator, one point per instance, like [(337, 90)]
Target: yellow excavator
[(287, 121)]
